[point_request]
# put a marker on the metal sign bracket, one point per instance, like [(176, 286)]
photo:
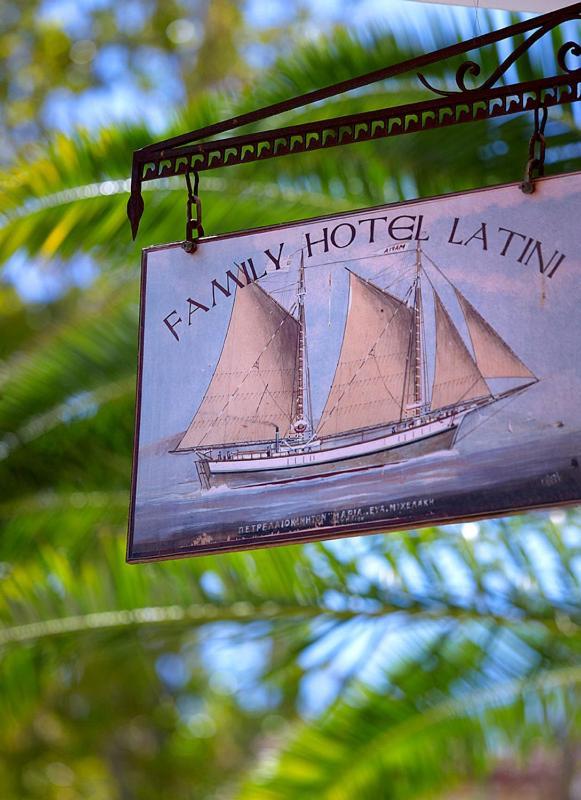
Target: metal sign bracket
[(490, 98)]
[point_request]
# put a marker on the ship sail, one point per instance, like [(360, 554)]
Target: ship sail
[(456, 376), (371, 384), (494, 357), (251, 391)]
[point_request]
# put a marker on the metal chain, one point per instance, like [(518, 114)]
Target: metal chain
[(535, 167), (194, 228)]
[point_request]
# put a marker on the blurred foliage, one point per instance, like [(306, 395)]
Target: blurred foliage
[(152, 52), (393, 667)]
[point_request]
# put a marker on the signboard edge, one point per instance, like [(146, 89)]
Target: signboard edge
[(312, 534)]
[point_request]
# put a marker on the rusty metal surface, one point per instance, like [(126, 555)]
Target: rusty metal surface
[(195, 152)]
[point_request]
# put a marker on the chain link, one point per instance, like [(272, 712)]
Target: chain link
[(535, 167), (194, 228)]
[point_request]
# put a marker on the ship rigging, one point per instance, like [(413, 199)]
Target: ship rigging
[(255, 422)]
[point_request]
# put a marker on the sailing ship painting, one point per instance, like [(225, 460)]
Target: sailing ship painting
[(255, 424), (368, 371)]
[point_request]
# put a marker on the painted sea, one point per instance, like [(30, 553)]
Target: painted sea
[(543, 470)]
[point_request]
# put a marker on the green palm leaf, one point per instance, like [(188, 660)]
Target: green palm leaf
[(435, 648)]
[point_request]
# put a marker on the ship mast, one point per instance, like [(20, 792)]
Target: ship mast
[(418, 365), (302, 415)]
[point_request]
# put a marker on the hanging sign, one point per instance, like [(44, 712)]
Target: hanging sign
[(375, 370)]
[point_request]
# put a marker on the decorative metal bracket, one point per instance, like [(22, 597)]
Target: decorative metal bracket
[(196, 151)]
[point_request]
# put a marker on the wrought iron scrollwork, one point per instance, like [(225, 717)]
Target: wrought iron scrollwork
[(569, 47), (473, 69)]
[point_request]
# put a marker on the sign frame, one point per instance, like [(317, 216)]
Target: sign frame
[(554, 494)]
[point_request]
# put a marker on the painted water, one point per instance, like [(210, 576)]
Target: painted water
[(540, 470)]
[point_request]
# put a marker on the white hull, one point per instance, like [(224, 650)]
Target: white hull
[(315, 455)]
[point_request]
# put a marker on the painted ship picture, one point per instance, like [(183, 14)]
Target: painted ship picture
[(255, 423), (371, 371)]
